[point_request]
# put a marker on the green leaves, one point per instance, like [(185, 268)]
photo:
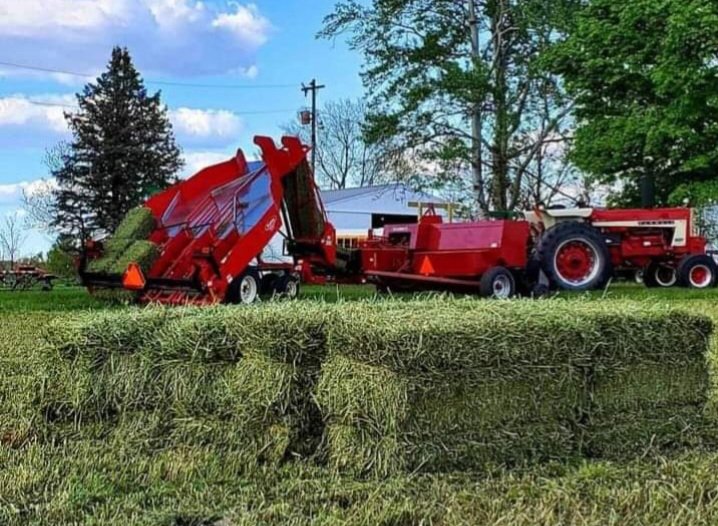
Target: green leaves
[(645, 78)]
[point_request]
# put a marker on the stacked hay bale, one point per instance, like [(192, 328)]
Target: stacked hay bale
[(439, 387), (650, 383), (387, 387), (233, 378), (129, 244)]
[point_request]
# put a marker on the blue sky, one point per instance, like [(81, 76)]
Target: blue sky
[(218, 42)]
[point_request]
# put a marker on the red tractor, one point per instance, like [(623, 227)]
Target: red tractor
[(581, 248), (567, 249)]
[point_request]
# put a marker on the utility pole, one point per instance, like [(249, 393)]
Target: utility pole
[(314, 88), (476, 118)]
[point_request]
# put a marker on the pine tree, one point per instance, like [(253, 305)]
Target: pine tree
[(123, 150)]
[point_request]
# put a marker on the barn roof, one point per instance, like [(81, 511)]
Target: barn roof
[(391, 198)]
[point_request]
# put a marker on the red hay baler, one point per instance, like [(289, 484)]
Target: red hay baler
[(212, 229)]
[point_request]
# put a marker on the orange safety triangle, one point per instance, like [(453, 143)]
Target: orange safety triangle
[(426, 267), (133, 278)]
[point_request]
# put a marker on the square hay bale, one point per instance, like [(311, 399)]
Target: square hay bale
[(224, 369), (456, 386), (128, 243), (144, 253), (100, 334), (282, 332), (442, 422), (138, 224)]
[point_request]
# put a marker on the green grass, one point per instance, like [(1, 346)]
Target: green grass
[(102, 481), (72, 298)]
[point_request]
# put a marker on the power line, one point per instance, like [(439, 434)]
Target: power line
[(156, 82), (249, 112)]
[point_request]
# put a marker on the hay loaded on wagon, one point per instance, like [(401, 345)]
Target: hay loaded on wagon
[(201, 242)]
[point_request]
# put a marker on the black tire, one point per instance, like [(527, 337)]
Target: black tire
[(245, 288), (659, 275), (587, 249), (697, 272), (498, 283), (288, 286)]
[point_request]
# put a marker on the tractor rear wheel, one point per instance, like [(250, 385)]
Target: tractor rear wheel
[(697, 272), (245, 288), (498, 283), (660, 275), (574, 256)]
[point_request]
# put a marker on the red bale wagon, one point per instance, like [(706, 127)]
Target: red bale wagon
[(212, 228)]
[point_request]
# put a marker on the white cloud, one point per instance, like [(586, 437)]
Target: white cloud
[(180, 37), (195, 124), (40, 121), (11, 194), (22, 111), (246, 24), (24, 122)]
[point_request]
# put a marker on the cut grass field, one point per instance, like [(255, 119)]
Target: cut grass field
[(104, 479)]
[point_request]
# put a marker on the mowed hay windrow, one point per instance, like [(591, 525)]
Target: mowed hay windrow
[(239, 378), (470, 385)]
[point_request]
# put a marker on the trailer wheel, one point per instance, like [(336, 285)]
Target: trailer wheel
[(697, 272), (574, 256), (288, 286), (660, 275), (498, 283), (245, 288)]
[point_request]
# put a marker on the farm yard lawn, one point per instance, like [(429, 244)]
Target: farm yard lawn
[(88, 482)]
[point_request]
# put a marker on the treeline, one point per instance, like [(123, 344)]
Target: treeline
[(529, 100)]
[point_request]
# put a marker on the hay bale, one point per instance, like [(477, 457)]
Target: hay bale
[(138, 224), (234, 373), (128, 244), (461, 387), (143, 253)]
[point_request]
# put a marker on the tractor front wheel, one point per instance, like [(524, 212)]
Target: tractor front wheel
[(498, 283), (697, 272), (574, 256), (660, 275)]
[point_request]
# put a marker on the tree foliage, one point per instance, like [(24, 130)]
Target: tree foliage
[(428, 83), (61, 260), (644, 75), (122, 151)]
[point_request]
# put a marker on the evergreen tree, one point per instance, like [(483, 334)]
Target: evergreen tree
[(123, 150)]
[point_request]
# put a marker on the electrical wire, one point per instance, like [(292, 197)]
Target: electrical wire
[(156, 82), (249, 112)]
